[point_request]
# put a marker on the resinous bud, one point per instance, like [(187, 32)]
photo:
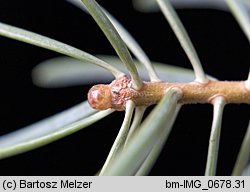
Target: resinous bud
[(99, 97)]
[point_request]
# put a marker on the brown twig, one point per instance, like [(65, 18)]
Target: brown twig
[(120, 90)]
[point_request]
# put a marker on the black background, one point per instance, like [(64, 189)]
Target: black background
[(223, 50)]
